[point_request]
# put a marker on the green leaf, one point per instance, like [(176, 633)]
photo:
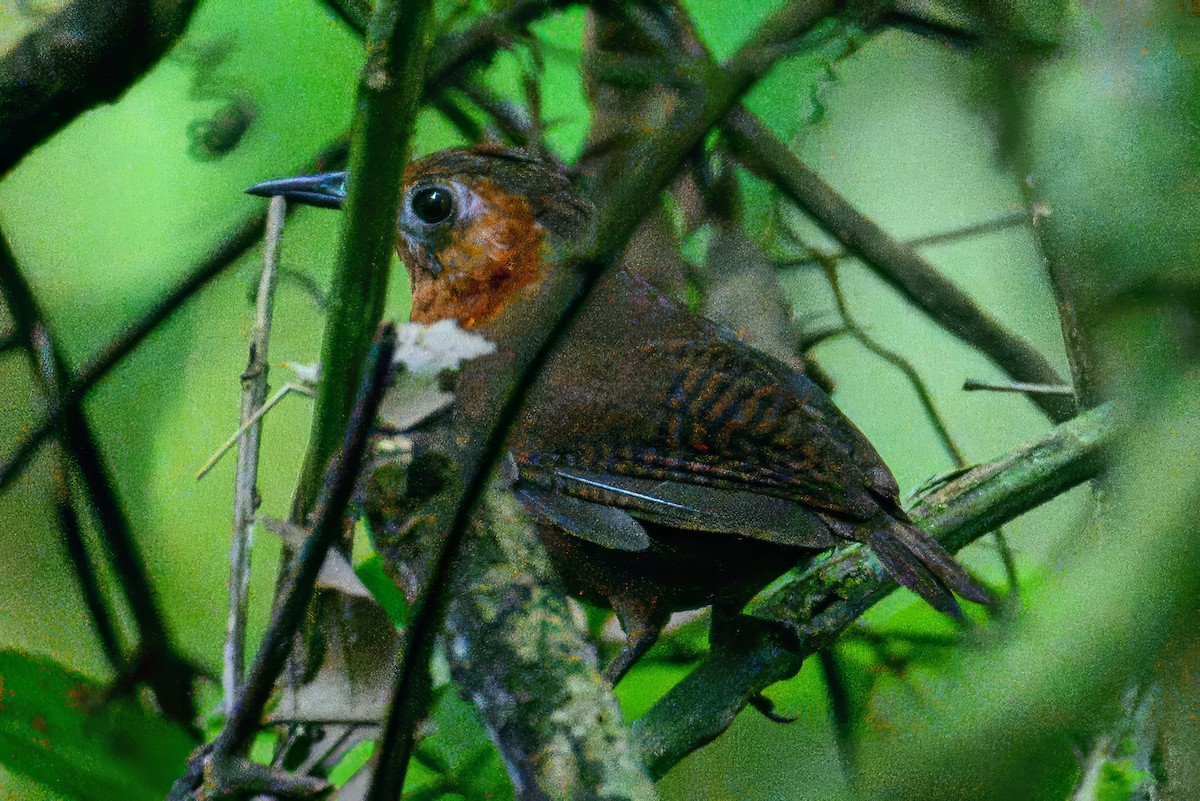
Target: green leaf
[(58, 728)]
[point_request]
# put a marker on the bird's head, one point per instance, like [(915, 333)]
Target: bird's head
[(476, 227)]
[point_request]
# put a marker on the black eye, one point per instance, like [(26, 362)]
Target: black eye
[(432, 204)]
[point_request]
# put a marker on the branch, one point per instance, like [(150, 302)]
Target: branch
[(1014, 219), (245, 496), (89, 52), (975, 385), (897, 263), (840, 586), (529, 669)]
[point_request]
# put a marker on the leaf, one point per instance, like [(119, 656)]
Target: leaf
[(57, 727)]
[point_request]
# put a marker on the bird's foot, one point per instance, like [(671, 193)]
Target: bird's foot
[(766, 707)]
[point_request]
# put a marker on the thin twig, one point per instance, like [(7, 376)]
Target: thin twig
[(328, 520), (1091, 763), (245, 493), (922, 639), (901, 266), (1014, 219), (44, 359), (975, 385), (899, 362), (271, 403), (922, 20), (454, 52), (1112, 744)]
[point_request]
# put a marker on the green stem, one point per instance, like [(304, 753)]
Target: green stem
[(389, 93)]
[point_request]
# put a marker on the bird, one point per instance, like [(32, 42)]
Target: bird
[(667, 464)]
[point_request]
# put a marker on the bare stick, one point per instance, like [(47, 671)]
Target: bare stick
[(1014, 219), (245, 491)]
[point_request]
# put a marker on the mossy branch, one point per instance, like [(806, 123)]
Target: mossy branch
[(841, 585), (525, 662)]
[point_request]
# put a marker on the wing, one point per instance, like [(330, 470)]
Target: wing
[(605, 508), (674, 420)]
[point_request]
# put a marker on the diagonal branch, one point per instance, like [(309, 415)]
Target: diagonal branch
[(841, 585), (88, 52), (159, 665), (899, 264)]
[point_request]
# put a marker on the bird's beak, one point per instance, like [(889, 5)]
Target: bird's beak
[(327, 189)]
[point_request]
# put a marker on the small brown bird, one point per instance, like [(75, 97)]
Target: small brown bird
[(668, 464)]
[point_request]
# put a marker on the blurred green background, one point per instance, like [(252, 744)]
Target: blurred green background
[(111, 212)]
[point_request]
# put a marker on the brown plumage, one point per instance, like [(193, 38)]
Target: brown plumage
[(668, 464)]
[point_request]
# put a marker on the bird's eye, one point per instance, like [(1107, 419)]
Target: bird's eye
[(432, 204)]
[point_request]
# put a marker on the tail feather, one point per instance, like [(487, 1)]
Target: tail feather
[(918, 562)]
